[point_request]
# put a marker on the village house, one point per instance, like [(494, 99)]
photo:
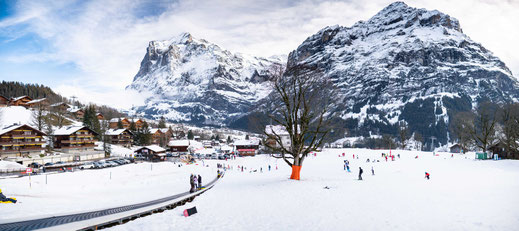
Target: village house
[(100, 116), (500, 149), (74, 139), (20, 140), (156, 135), (20, 101), (61, 106), (247, 147), (280, 132), (123, 137), (152, 152), (139, 123), (179, 146), (4, 101), (456, 148), (38, 103), (78, 113), (124, 121)]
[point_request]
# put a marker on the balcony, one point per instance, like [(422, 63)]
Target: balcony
[(13, 151), (10, 143), (22, 136)]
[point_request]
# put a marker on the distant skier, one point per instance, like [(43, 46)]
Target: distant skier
[(199, 182), (427, 175), (3, 198), (348, 168), (372, 171), (360, 173), (367, 160)]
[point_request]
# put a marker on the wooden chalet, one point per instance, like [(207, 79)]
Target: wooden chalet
[(100, 116), (179, 146), (124, 121), (20, 140), (77, 113), (74, 139), (500, 150), (456, 148), (123, 137), (156, 135), (152, 152), (247, 147), (38, 103), (20, 101), (4, 101), (139, 123), (62, 106)]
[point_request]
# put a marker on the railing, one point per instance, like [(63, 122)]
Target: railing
[(23, 142), (19, 150), (23, 135)]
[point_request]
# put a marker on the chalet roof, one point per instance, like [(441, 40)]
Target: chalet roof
[(68, 130), (4, 97), (21, 97), (164, 130), (59, 104), (115, 120), (153, 147), (176, 143), (11, 127), (276, 129), (74, 110), (246, 142), (226, 148), (36, 100), (155, 130), (116, 132)]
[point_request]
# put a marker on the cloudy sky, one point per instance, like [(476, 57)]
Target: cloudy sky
[(92, 49)]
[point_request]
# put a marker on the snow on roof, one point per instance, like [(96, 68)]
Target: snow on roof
[(36, 101), (154, 148), (13, 127), (164, 130), (115, 132), (68, 130), (60, 103), (226, 148), (20, 97), (154, 130), (15, 114), (115, 120), (277, 129), (74, 110), (179, 143), (246, 142)]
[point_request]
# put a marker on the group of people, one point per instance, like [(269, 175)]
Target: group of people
[(195, 182)]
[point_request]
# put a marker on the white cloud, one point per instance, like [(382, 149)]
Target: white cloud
[(107, 41)]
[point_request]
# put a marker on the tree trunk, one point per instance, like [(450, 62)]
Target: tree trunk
[(296, 169)]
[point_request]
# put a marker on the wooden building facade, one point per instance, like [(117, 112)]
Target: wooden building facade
[(20, 140), (123, 137), (74, 139)]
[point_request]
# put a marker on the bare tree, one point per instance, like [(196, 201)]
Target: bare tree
[(49, 129), (484, 132), (510, 129), (38, 117), (403, 132), (463, 128), (302, 99), (59, 112), (419, 141)]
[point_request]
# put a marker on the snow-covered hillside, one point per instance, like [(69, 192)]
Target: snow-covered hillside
[(193, 80), (15, 114)]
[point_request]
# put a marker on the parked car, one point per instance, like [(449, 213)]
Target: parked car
[(49, 164), (98, 165), (35, 165), (114, 163), (169, 155), (60, 162), (87, 166)]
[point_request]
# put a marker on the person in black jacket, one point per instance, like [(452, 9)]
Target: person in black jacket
[(360, 173), (192, 183), (199, 182)]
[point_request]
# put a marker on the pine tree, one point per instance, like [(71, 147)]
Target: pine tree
[(229, 140), (162, 122), (145, 134), (119, 124), (247, 137), (217, 137), (190, 135)]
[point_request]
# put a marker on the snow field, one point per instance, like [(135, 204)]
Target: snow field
[(93, 189), (463, 194)]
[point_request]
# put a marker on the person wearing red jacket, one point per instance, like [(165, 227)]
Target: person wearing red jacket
[(427, 175)]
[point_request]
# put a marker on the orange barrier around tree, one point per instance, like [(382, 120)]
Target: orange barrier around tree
[(295, 172)]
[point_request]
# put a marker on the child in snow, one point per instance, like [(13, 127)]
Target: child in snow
[(427, 175), (360, 173)]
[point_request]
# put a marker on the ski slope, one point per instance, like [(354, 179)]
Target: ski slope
[(463, 194)]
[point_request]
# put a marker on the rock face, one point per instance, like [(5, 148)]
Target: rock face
[(192, 80), (405, 64)]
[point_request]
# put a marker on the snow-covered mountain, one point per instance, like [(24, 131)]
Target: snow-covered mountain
[(404, 64), (193, 80)]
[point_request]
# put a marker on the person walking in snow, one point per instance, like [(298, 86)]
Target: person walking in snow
[(192, 183), (269, 167), (372, 171), (427, 175), (199, 182), (195, 179), (348, 168), (360, 173)]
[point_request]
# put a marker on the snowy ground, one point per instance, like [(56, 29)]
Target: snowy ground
[(93, 189), (463, 194)]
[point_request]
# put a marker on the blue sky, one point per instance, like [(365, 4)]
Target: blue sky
[(93, 48)]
